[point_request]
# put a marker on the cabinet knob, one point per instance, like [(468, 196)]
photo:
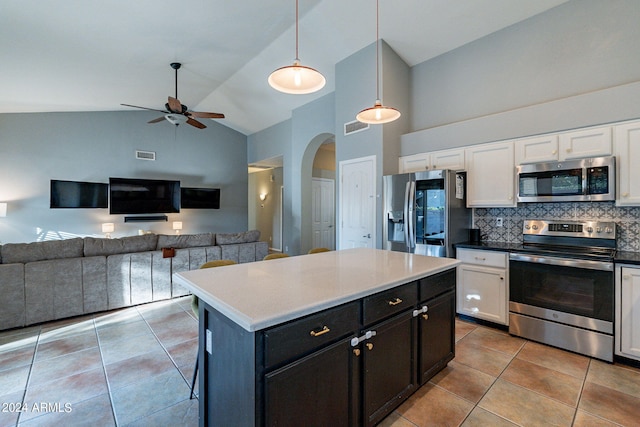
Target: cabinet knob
[(356, 351), (425, 316), (554, 152), (395, 301), (370, 346), (625, 194), (626, 277), (322, 331), (502, 278)]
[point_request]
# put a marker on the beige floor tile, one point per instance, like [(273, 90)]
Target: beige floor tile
[(127, 347), (463, 328), (434, 406), (584, 419), (553, 384), (66, 345), (621, 378), (395, 420), (183, 414), (9, 414), (464, 381), (554, 358), (482, 418), (63, 366), (610, 404), (116, 331), (135, 369), (66, 327), (484, 359), (120, 316), (92, 412), (160, 309), (495, 340), (20, 355), (525, 407), (68, 391)]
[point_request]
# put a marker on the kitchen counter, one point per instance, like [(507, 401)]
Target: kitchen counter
[(625, 257), (262, 294)]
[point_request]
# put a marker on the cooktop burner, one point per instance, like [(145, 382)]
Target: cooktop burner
[(574, 239)]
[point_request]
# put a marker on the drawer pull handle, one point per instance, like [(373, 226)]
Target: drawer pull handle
[(478, 258), (395, 301), (322, 331)]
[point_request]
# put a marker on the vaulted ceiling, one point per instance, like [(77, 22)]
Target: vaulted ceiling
[(78, 55)]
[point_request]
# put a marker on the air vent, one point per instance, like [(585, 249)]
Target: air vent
[(145, 155), (355, 126)]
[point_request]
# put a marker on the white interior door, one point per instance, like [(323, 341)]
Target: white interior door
[(323, 213), (358, 203)]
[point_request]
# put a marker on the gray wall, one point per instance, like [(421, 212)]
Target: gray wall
[(38, 147), (575, 65)]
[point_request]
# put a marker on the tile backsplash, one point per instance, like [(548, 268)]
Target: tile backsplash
[(626, 218)]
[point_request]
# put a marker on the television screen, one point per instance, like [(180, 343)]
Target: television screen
[(140, 196), (200, 198), (77, 194)]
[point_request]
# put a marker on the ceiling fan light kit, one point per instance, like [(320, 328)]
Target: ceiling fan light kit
[(296, 79), (378, 114), (177, 113)]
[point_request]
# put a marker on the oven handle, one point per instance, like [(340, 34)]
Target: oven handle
[(563, 262)]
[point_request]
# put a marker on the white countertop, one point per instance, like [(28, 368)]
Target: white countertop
[(262, 294)]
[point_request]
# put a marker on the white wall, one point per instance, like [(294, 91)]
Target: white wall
[(38, 147)]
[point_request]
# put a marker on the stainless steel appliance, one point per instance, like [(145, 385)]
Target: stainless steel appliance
[(590, 179), (561, 286), (425, 212)]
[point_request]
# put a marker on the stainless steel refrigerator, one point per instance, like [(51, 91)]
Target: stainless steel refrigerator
[(425, 212)]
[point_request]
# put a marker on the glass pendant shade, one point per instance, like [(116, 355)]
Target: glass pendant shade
[(378, 114), (296, 79)]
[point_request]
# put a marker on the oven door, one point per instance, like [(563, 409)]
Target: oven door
[(571, 291)]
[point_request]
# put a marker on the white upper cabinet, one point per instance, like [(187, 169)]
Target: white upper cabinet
[(414, 163), (591, 142), (445, 159), (627, 151), (535, 150), (491, 175)]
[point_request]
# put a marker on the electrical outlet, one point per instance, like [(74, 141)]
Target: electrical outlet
[(499, 222)]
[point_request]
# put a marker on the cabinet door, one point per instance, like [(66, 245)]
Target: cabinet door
[(436, 335), (316, 390), (593, 142), (538, 149), (630, 312), (389, 368), (627, 150), (414, 163), (482, 293), (448, 159), (490, 175)]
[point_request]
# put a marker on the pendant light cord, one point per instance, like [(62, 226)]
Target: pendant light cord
[(297, 58), (377, 49)]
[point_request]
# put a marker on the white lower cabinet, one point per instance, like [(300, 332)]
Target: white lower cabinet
[(483, 285), (628, 312)]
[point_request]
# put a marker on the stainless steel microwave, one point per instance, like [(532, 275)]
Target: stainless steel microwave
[(592, 179)]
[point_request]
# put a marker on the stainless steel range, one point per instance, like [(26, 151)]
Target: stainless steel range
[(561, 286)]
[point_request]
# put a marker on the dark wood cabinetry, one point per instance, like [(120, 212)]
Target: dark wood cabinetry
[(349, 365)]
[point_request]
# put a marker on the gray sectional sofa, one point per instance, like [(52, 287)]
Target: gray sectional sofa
[(50, 280)]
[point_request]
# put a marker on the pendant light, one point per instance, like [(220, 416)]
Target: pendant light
[(296, 79), (379, 113)]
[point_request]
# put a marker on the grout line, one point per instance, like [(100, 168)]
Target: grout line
[(104, 371), (26, 385)]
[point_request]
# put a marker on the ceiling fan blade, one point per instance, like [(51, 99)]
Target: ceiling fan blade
[(195, 123), (158, 120), (202, 115), (144, 108), (175, 105)]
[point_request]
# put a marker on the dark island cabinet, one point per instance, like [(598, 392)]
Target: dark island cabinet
[(349, 365)]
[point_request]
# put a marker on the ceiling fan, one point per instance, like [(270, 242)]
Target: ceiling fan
[(177, 113)]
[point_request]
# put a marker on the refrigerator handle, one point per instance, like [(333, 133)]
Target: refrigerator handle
[(407, 224), (411, 203)]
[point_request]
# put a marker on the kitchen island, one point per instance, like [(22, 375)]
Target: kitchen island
[(336, 338)]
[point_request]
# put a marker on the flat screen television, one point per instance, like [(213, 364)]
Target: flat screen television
[(143, 196), (199, 198), (78, 194)]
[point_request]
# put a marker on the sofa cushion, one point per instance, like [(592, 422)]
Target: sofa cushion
[(235, 238), (180, 241), (96, 246), (39, 251)]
